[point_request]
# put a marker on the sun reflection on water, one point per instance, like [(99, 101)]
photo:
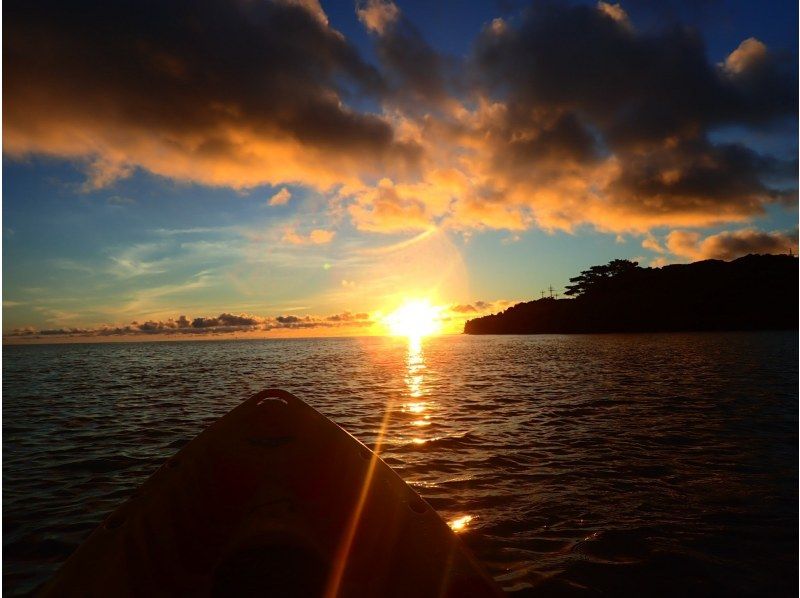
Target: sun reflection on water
[(415, 366), (415, 379), (460, 524)]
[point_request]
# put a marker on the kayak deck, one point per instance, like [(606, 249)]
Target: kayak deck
[(273, 499)]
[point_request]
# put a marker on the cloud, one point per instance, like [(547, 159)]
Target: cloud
[(414, 72), (225, 323), (217, 92), (463, 309), (120, 201), (312, 6), (566, 115), (223, 320), (280, 198), (317, 236), (651, 243), (139, 260), (659, 262), (729, 245), (750, 54), (615, 12), (320, 237), (347, 317), (479, 307), (246, 325), (578, 119), (377, 15), (578, 104), (389, 208)]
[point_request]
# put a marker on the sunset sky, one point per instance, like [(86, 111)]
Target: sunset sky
[(272, 168)]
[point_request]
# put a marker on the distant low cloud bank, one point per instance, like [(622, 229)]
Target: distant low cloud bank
[(224, 323), (566, 115), (346, 323)]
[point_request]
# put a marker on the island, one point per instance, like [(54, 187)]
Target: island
[(755, 292)]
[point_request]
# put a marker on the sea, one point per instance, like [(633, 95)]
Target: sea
[(575, 465)]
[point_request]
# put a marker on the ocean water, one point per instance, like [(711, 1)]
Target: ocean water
[(587, 465)]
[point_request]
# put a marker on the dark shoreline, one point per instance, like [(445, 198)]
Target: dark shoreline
[(755, 292)]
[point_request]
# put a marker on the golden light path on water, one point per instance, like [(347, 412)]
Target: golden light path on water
[(415, 320), (415, 369)]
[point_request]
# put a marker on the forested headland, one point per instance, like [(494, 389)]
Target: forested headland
[(750, 293)]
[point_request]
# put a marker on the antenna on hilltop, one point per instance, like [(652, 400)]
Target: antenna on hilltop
[(542, 294), (551, 289)]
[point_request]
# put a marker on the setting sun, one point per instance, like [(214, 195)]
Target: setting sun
[(415, 318)]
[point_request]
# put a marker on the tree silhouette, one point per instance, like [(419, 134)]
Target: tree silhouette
[(597, 277)]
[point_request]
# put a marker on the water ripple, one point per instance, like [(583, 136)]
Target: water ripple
[(584, 465)]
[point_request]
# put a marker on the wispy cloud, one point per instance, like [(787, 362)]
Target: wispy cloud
[(140, 259), (120, 201), (198, 230), (146, 301), (72, 265), (317, 236)]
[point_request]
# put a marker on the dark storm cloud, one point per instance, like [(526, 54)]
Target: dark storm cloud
[(554, 138), (582, 87), (696, 174), (204, 81), (636, 88), (414, 70)]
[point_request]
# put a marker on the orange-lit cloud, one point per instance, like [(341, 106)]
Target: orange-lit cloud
[(749, 55), (280, 198), (729, 245), (531, 130), (317, 236), (651, 243), (236, 94), (377, 15), (614, 11)]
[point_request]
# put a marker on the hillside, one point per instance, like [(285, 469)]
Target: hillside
[(751, 293)]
